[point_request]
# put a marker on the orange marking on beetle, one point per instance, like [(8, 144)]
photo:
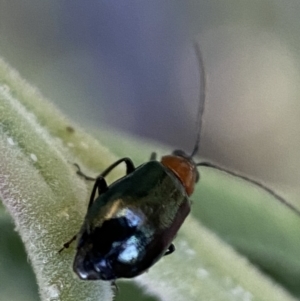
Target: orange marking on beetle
[(185, 171)]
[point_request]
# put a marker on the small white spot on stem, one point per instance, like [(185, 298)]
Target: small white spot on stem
[(202, 273), (64, 213), (190, 252), (5, 88), (53, 292), (33, 157), (238, 291), (84, 145), (10, 141)]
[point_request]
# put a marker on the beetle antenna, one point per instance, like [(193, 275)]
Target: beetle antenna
[(202, 96), (257, 183)]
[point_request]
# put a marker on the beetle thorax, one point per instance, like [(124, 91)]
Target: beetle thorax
[(184, 168)]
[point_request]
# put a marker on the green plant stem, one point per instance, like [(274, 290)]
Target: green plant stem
[(47, 201)]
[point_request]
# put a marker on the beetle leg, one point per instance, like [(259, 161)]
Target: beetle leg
[(153, 156), (80, 173), (67, 244), (115, 286), (101, 185), (170, 250), (129, 167)]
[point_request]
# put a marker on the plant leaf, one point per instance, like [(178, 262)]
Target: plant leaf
[(39, 188), (45, 199)]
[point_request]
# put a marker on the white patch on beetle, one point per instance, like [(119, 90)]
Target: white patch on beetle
[(115, 244), (130, 252), (33, 157), (133, 217), (70, 144), (101, 265)]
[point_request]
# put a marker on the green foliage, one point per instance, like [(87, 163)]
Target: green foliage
[(47, 202)]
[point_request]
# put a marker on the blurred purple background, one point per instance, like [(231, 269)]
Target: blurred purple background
[(130, 66)]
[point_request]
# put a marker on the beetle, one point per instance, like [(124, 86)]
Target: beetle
[(132, 223)]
